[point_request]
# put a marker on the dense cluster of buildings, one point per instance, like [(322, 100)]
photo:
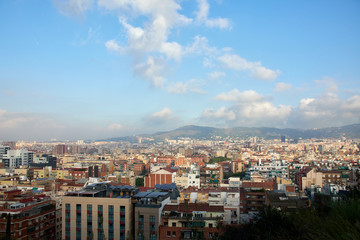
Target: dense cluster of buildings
[(175, 189)]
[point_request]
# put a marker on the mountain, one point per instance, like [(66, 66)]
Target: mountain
[(198, 132)]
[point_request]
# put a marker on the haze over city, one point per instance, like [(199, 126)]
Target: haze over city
[(90, 69)]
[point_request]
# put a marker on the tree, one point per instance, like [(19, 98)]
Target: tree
[(340, 221), (219, 159), (139, 182)]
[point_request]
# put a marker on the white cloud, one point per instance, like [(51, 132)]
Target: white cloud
[(281, 87), (202, 17), (200, 45), (192, 85), (153, 69), (73, 8), (112, 45), (249, 109), (222, 113), (328, 83), (253, 109), (163, 117), (236, 96), (152, 39), (217, 75), (149, 42), (255, 69), (352, 103), (163, 16), (304, 103), (164, 113), (325, 111)]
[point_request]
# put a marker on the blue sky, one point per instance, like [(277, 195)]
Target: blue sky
[(89, 69)]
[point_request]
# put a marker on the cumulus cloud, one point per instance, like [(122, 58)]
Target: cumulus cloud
[(200, 45), (73, 8), (281, 87), (148, 44), (192, 85), (161, 117), (222, 113), (255, 69), (249, 109), (202, 17), (236, 96), (153, 69), (325, 111)]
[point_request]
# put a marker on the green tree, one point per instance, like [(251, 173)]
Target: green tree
[(339, 220), (218, 159), (139, 182)]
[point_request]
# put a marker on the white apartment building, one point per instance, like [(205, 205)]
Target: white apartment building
[(269, 170), (16, 158)]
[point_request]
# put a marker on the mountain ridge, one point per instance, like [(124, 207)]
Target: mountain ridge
[(205, 132)]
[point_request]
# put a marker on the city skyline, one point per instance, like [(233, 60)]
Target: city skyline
[(90, 69)]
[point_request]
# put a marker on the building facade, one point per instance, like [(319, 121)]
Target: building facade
[(99, 211)]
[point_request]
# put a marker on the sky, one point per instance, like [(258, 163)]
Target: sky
[(92, 69)]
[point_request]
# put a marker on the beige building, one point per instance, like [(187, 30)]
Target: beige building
[(99, 211), (312, 177), (61, 174), (148, 214)]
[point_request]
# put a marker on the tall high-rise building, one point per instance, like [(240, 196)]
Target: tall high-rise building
[(61, 149)]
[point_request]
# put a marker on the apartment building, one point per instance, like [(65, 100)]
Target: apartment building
[(190, 221), (31, 216), (252, 197), (148, 210), (211, 176), (98, 211), (16, 158), (228, 198)]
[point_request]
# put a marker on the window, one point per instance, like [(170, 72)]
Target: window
[(152, 220), (122, 223), (111, 222), (174, 224), (210, 225), (168, 234), (174, 234), (100, 222), (67, 221), (78, 221), (89, 221)]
